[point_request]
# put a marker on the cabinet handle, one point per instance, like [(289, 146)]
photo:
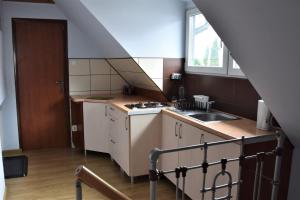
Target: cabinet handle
[(202, 140), (111, 108), (105, 110), (112, 120), (180, 131), (176, 124), (126, 128)]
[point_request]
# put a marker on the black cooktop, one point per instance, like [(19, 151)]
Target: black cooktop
[(146, 105)]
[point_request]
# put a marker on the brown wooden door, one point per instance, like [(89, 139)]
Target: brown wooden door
[(41, 59)]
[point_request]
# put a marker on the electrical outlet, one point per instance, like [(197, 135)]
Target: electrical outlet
[(74, 128)]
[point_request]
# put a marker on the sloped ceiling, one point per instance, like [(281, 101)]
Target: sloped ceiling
[(82, 17), (144, 28), (263, 37), (107, 44)]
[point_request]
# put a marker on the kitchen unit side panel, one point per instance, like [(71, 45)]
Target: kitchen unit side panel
[(145, 135)]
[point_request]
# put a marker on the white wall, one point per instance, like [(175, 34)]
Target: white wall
[(2, 82), (144, 28), (2, 181), (263, 37), (80, 46), (81, 16)]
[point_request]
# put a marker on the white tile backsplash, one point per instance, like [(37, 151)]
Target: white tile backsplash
[(152, 66), (158, 82), (100, 82), (79, 67), (117, 83), (96, 76), (80, 93), (100, 92), (99, 66), (113, 71), (80, 83), (125, 65), (116, 91)]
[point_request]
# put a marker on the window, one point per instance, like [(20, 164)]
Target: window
[(234, 69), (205, 50)]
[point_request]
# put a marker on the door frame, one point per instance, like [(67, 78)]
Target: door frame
[(66, 73)]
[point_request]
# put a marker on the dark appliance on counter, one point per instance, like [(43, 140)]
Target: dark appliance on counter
[(128, 90)]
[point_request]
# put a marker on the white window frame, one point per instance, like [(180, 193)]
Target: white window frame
[(226, 70), (232, 71)]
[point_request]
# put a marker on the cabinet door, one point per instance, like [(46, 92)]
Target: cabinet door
[(95, 127), (123, 141), (169, 141), (216, 153), (114, 130), (189, 135)]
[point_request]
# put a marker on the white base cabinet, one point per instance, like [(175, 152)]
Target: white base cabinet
[(179, 134), (95, 127), (145, 135), (131, 138), (119, 137)]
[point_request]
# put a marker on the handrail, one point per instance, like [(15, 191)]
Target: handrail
[(89, 178)]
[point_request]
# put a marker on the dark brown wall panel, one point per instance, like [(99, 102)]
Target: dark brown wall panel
[(248, 171), (151, 94), (233, 95), (172, 65)]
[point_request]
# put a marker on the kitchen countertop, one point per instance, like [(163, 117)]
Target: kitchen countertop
[(232, 129), (118, 101)]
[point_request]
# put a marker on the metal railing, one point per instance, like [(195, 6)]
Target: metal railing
[(155, 173), (89, 178)]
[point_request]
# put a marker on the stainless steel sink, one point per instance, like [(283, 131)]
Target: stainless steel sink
[(213, 116), (206, 116)]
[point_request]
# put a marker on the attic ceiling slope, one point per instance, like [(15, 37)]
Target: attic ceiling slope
[(263, 37), (88, 24), (144, 28), (107, 44)]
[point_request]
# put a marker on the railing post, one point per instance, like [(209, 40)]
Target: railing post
[(153, 175), (278, 162), (78, 190)]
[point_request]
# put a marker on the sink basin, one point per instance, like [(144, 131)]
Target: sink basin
[(214, 116), (100, 98)]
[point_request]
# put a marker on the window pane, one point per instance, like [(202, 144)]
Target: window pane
[(206, 44), (235, 65)]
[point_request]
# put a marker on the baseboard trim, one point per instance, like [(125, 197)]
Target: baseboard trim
[(13, 152)]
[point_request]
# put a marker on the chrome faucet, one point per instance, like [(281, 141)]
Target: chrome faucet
[(209, 105)]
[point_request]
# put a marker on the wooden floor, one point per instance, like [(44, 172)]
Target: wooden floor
[(51, 177)]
